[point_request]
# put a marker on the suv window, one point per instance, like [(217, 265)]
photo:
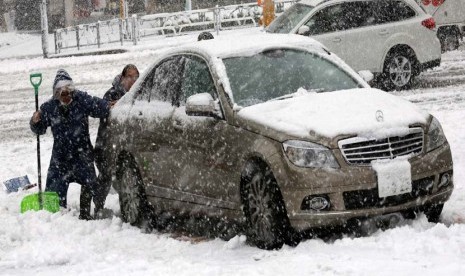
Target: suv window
[(196, 79), (289, 19), (358, 14), (342, 17), (392, 10), (325, 21), (164, 82)]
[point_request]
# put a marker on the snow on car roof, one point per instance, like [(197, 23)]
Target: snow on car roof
[(313, 2), (249, 44)]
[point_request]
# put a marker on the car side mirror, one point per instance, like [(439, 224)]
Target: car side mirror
[(366, 75), (201, 104), (303, 30)]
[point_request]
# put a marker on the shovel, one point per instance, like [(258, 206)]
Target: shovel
[(48, 201)]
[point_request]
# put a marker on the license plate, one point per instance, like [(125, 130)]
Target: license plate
[(394, 177)]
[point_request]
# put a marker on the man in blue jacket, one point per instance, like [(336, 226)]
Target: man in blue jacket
[(67, 114)]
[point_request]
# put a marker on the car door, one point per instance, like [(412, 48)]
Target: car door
[(396, 23), (201, 143), (347, 30), (153, 132)]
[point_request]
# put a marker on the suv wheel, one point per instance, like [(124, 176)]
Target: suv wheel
[(399, 70), (264, 210), (132, 199)]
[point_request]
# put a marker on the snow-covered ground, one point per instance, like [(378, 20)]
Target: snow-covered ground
[(42, 243)]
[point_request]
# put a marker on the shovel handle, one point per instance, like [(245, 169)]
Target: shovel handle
[(36, 80)]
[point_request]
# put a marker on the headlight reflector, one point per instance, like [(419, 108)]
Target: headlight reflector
[(435, 137), (309, 155)]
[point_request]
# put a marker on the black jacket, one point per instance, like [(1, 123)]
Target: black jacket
[(113, 94)]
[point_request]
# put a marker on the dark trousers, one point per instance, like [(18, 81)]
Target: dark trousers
[(104, 182), (62, 173)]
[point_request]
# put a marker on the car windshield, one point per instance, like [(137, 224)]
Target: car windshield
[(280, 73), (289, 19)]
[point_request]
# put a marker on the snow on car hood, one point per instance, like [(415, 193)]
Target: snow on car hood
[(365, 112)]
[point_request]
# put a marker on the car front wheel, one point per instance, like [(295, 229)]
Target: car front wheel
[(132, 199), (263, 207), (433, 212)]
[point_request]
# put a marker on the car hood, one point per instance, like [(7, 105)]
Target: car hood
[(363, 112)]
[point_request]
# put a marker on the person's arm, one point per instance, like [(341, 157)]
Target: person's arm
[(98, 108), (38, 122)]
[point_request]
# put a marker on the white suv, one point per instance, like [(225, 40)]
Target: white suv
[(394, 39)]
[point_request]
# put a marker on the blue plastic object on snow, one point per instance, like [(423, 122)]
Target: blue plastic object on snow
[(14, 184)]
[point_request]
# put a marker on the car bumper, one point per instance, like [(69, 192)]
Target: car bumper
[(352, 190), (430, 64)]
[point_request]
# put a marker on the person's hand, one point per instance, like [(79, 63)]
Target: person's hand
[(36, 117)]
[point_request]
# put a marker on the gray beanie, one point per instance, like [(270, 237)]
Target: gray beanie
[(62, 79)]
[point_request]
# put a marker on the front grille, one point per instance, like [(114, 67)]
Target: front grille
[(361, 199), (361, 151)]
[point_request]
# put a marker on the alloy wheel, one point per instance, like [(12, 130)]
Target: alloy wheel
[(450, 42), (400, 71), (131, 201), (261, 215)]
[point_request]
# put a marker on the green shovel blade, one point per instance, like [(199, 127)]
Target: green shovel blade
[(50, 202)]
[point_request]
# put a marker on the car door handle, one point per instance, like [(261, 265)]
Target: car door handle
[(337, 39), (383, 32)]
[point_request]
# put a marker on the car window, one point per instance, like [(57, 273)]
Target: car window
[(340, 17), (281, 72), (325, 21), (356, 14), (392, 10), (289, 19), (196, 79), (164, 82)]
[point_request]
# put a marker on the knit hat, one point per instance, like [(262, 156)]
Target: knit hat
[(62, 79)]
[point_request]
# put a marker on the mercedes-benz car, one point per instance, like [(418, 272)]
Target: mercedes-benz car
[(273, 132)]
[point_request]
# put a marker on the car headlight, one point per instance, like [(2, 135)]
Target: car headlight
[(309, 155), (435, 137)]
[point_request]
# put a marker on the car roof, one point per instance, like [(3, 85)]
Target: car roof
[(248, 44), (313, 2), (317, 2)]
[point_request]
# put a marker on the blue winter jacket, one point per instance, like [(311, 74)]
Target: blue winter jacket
[(70, 125)]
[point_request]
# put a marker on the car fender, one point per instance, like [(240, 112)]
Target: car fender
[(393, 41)]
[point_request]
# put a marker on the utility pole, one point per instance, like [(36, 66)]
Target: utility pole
[(44, 27), (122, 9), (188, 5)]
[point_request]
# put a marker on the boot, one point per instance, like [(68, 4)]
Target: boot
[(85, 202)]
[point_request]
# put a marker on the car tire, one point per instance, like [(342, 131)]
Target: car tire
[(433, 212), (134, 207), (449, 42), (267, 222), (409, 214), (400, 70)]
